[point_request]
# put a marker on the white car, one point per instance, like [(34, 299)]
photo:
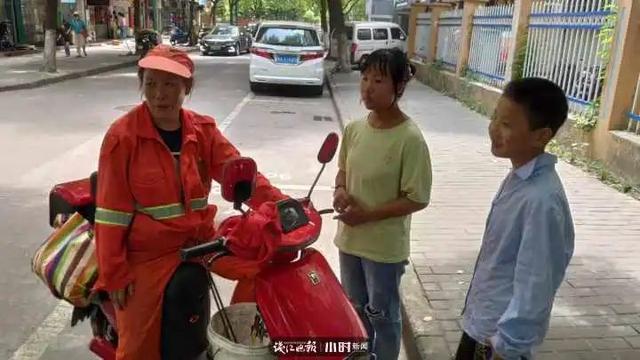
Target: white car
[(367, 37), (287, 53)]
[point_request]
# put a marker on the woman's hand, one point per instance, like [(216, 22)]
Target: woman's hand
[(341, 200), (354, 215), (119, 297)]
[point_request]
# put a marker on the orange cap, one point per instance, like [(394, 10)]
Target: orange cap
[(169, 59)]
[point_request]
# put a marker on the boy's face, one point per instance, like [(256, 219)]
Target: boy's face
[(511, 135)]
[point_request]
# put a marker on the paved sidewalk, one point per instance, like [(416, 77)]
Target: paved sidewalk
[(597, 312), (23, 72)]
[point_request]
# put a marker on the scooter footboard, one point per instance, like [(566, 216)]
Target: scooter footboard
[(304, 300)]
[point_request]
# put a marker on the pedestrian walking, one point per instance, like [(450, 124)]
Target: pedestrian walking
[(64, 36), (529, 234), (122, 23), (79, 34), (115, 31), (384, 176)]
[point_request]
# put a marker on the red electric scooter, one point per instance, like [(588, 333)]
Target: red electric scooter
[(299, 299)]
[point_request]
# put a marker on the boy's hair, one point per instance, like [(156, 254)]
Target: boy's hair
[(544, 102), (392, 62)]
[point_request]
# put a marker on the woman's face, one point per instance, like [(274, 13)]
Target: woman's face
[(165, 93), (376, 89)]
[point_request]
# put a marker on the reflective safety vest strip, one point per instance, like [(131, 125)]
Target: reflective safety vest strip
[(171, 211), (113, 217)]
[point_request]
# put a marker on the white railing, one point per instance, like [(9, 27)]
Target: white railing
[(634, 114), (563, 46), (423, 35), (449, 38), (490, 44)]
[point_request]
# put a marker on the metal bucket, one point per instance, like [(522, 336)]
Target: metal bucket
[(241, 316)]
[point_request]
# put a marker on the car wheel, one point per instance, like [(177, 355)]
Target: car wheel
[(204, 53), (173, 42), (237, 52), (255, 87)]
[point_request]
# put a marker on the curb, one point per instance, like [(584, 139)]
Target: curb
[(422, 335), (16, 53), (74, 75), (336, 108)]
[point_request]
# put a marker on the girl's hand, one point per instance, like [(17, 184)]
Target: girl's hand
[(354, 215), (119, 297), (341, 200)]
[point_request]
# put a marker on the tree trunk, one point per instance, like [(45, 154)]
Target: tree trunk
[(50, 25), (214, 12), (233, 11), (137, 26), (336, 18), (323, 15), (136, 16)]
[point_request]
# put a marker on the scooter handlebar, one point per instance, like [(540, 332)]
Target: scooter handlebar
[(203, 249)]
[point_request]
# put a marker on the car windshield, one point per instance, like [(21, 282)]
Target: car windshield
[(288, 36), (226, 30)]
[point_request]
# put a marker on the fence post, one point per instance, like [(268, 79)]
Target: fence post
[(518, 41), (621, 77), (436, 10), (466, 30), (413, 18)]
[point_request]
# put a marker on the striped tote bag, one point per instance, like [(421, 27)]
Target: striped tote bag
[(66, 261)]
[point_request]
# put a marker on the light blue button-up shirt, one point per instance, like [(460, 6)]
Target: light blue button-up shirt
[(526, 248)]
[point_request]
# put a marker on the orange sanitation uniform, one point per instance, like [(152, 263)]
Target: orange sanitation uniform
[(149, 207)]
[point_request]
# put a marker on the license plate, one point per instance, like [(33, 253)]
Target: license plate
[(287, 59), (216, 47)]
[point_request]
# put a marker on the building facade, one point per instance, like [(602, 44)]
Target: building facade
[(25, 18)]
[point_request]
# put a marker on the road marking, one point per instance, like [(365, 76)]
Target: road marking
[(235, 112), (287, 101), (55, 323), (51, 327)]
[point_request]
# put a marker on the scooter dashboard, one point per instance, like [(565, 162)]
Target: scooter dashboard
[(292, 215)]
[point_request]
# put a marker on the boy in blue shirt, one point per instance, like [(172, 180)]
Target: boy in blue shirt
[(528, 239)]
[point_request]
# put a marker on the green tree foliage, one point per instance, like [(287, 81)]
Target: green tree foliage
[(295, 10)]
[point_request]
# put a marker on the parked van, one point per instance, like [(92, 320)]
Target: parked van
[(366, 37)]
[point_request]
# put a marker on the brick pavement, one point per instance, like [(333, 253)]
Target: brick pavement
[(597, 311)]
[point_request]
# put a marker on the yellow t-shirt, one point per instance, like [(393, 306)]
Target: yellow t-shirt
[(383, 165)]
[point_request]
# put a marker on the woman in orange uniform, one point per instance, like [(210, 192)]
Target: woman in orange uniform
[(154, 176)]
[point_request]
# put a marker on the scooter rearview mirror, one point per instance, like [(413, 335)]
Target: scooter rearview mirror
[(239, 180), (328, 149)]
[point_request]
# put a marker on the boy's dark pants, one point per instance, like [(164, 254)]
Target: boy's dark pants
[(469, 349)]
